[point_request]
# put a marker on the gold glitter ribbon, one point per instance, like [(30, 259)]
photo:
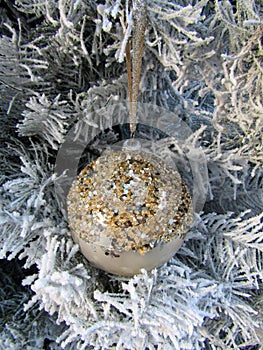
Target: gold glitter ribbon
[(134, 61)]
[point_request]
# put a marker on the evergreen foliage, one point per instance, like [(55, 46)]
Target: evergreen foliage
[(60, 60)]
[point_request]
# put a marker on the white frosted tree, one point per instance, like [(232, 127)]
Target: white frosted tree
[(62, 60)]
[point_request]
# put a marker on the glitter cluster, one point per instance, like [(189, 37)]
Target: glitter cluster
[(131, 200)]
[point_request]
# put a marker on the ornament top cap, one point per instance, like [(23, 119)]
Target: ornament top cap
[(131, 145)]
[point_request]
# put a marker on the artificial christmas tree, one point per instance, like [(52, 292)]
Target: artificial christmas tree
[(60, 63)]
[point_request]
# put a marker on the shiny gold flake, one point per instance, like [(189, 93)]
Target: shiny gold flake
[(131, 198)]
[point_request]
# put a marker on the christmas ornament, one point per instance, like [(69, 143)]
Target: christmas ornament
[(128, 210)]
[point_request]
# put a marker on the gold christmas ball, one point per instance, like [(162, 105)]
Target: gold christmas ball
[(129, 210)]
